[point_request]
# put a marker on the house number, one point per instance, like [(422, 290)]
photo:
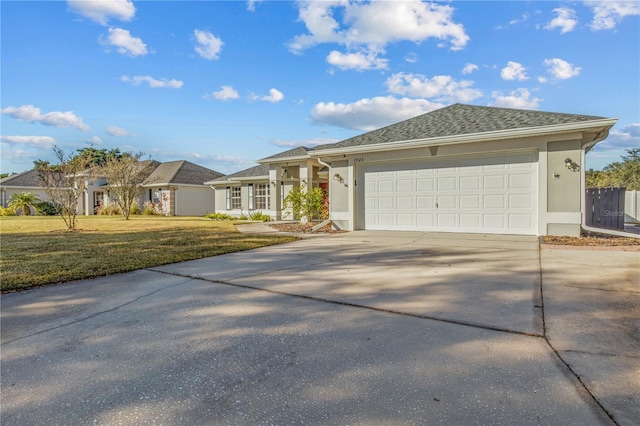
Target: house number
[(358, 160)]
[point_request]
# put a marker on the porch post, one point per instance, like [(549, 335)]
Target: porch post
[(275, 195)]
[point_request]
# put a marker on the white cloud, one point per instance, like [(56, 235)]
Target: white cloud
[(519, 99), (370, 114), (118, 131), (56, 118), (607, 14), (208, 46), (514, 71), (561, 69), (469, 68), (411, 57), (356, 61), (39, 141), (94, 140), (225, 93), (565, 20), (514, 21), (628, 136), (442, 88), (251, 5), (274, 96), (152, 82), (303, 142), (367, 27), (125, 43), (101, 11)]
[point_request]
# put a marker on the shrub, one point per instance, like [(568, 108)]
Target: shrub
[(259, 216), (7, 211), (219, 216), (149, 209), (135, 209), (111, 210), (47, 208), (305, 204)]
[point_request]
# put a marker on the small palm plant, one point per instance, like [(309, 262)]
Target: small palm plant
[(23, 201)]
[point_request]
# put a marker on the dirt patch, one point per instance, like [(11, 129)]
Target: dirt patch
[(592, 240), (304, 228)]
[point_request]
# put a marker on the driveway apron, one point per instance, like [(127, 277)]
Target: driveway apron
[(357, 328)]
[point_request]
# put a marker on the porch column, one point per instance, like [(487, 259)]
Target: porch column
[(275, 191)]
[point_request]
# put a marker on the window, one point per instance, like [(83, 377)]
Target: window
[(262, 198), (236, 192)]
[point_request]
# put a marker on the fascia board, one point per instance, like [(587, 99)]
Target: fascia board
[(284, 159), (469, 138), (222, 182)]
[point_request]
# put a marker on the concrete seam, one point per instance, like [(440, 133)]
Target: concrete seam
[(555, 351), (96, 314), (356, 305)]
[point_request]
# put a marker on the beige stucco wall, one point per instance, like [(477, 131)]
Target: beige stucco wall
[(560, 209), (194, 201), (564, 188)]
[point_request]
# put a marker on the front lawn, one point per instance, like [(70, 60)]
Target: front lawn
[(36, 251)]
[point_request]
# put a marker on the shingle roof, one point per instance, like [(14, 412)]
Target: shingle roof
[(27, 179), (261, 170), (295, 152), (460, 119), (181, 172)]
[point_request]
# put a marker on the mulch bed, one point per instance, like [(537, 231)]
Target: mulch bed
[(304, 228), (590, 239)]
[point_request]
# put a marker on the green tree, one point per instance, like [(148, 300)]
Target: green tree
[(66, 182), (625, 173), (125, 175), (306, 203), (23, 202), (99, 157)]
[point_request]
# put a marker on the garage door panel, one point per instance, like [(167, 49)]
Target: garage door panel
[(469, 201), (469, 183), (446, 183), (494, 182), (496, 194), (425, 184)]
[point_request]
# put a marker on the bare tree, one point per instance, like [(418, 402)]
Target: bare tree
[(66, 182), (125, 176)]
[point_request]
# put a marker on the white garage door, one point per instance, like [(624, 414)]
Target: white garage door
[(496, 194)]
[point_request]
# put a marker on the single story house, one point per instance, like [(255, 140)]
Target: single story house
[(462, 168), (21, 182), (176, 188)]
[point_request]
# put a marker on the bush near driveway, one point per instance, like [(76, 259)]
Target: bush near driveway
[(38, 250)]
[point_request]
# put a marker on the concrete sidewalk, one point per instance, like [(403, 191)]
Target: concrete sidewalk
[(357, 328)]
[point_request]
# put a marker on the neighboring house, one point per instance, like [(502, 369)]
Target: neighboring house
[(180, 187), (264, 187), (22, 182), (176, 188), (462, 168)]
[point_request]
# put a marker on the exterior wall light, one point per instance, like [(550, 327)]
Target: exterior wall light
[(338, 178), (571, 165)]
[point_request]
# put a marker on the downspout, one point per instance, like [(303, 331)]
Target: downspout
[(328, 221)]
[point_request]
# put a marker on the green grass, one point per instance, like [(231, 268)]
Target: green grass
[(36, 251)]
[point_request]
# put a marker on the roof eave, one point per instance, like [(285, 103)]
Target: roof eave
[(471, 137), (284, 159)]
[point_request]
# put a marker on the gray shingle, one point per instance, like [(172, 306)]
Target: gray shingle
[(460, 119), (27, 179), (181, 172), (261, 170), (295, 152)]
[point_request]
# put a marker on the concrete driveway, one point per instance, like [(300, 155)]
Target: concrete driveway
[(357, 328)]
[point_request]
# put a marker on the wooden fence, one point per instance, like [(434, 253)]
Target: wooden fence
[(605, 208)]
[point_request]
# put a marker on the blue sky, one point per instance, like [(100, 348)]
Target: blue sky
[(224, 83)]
